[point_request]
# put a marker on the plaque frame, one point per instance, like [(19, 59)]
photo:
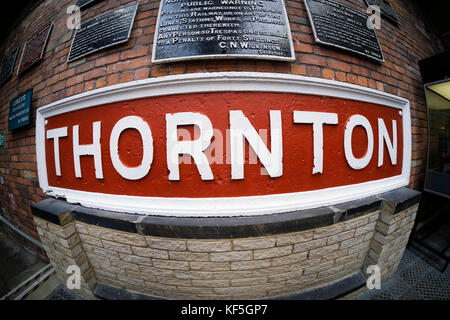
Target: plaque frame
[(387, 16), (316, 38), (108, 45), (11, 72), (42, 52), (87, 4), (30, 92), (224, 56)]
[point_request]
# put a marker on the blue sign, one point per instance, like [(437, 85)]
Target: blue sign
[(19, 111)]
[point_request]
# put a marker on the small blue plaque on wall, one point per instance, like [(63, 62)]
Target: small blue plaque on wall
[(19, 111)]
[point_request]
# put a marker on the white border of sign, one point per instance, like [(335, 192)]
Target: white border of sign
[(225, 56), (223, 82)]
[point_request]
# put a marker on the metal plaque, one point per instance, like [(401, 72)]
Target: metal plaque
[(222, 29), (340, 26), (19, 111), (7, 66), (102, 32), (385, 8), (85, 3), (33, 50)]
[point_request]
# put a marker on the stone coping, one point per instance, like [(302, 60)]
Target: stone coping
[(60, 212)]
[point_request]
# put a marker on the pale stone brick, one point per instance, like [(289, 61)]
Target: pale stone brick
[(210, 266), (365, 229), (273, 270), (197, 275), (100, 233), (340, 237), (135, 259), (91, 240), (273, 252), (168, 264), (252, 244), (335, 255), (230, 275), (351, 242), (249, 265), (231, 256), (166, 244), (175, 281), (294, 238), (329, 272), (374, 217), (290, 259), (320, 252), (116, 247), (300, 247), (189, 256), (369, 236), (106, 253), (284, 276), (248, 282), (301, 280), (81, 228), (209, 246), (195, 290), (150, 253), (132, 281), (328, 231), (354, 223), (131, 239), (125, 265), (160, 286), (351, 258), (318, 268), (211, 283), (156, 271), (359, 247)]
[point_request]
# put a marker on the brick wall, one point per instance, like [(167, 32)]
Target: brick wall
[(55, 79)]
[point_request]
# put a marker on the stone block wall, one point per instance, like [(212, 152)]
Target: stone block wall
[(231, 268)]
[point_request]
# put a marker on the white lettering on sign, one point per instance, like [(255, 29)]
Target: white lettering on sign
[(241, 127), (93, 149), (383, 136), (55, 134), (317, 119), (142, 127), (194, 148), (353, 122)]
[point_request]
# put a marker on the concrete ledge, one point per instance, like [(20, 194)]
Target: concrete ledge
[(60, 212), (330, 291)]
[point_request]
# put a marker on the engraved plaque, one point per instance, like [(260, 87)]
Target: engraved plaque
[(33, 50), (385, 8), (85, 3), (340, 26), (102, 32), (222, 29), (7, 66), (19, 111)]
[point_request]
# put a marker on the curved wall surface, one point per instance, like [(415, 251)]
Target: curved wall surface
[(215, 176)]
